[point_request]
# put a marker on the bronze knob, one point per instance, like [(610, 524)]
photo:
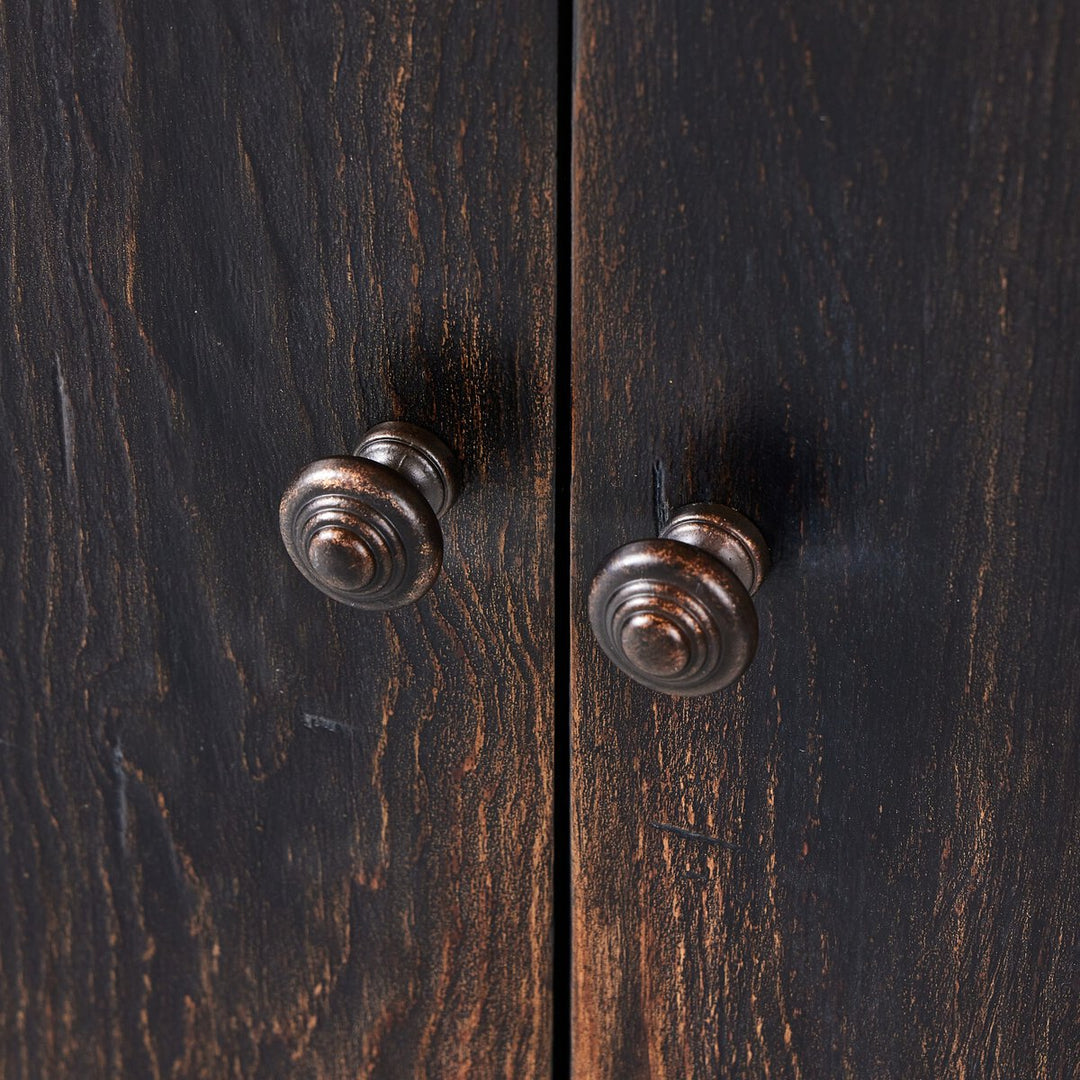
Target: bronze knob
[(675, 613), (365, 529)]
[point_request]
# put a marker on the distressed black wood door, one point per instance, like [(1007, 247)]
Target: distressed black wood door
[(247, 832), (826, 270)]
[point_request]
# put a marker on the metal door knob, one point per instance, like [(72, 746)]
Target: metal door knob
[(365, 529), (675, 613)]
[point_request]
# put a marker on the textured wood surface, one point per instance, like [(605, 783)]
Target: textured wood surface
[(826, 262), (244, 831)]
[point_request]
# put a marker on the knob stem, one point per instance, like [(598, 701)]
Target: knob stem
[(420, 457), (726, 535)]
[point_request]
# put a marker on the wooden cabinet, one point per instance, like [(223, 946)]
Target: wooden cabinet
[(817, 262)]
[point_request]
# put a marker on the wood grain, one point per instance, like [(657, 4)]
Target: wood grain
[(247, 832), (826, 270)]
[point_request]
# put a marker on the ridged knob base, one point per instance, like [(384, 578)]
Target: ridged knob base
[(675, 613), (365, 529)]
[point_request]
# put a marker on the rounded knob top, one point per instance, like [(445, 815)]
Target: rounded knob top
[(363, 529), (675, 615), (341, 558), (655, 644)]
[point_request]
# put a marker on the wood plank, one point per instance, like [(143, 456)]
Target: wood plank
[(826, 269), (247, 832)]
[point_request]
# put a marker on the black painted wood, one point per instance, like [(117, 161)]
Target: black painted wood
[(825, 262), (245, 831)]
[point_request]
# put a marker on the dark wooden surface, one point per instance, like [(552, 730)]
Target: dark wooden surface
[(244, 831), (826, 270)]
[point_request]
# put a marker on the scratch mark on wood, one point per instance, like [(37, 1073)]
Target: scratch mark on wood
[(661, 506), (314, 722), (688, 834), (119, 773), (67, 422)]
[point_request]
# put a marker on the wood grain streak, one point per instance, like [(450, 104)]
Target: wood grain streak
[(826, 271), (245, 832)]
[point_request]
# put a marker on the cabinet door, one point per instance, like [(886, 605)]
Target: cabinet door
[(246, 831), (826, 271)]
